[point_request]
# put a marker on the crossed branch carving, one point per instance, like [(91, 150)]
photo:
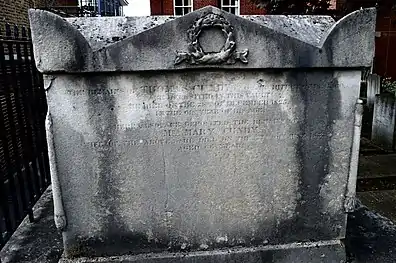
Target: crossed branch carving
[(195, 53)]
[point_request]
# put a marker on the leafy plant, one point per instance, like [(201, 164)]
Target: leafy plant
[(388, 85)]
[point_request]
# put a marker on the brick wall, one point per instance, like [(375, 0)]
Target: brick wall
[(385, 41), (248, 8), (161, 7), (16, 11), (165, 7), (202, 3)]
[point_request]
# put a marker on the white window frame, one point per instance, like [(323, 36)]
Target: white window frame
[(191, 6), (237, 6)]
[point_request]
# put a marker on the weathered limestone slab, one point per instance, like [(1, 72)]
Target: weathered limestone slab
[(384, 124), (373, 88), (203, 134)]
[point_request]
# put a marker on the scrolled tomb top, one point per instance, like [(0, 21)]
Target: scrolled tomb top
[(156, 43)]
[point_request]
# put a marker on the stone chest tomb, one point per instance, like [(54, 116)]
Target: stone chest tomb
[(205, 138), (384, 121)]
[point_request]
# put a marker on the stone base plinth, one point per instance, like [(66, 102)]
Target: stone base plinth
[(313, 252)]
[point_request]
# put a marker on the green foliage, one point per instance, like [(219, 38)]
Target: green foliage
[(295, 7), (388, 85)]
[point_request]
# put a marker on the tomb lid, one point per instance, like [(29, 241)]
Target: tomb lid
[(167, 43)]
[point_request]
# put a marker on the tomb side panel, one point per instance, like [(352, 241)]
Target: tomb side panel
[(206, 158)]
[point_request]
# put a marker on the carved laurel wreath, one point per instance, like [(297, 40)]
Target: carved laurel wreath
[(195, 53)]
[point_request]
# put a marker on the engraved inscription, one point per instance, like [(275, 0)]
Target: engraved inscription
[(81, 92), (205, 117)]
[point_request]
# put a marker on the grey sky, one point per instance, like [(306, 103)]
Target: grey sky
[(137, 8)]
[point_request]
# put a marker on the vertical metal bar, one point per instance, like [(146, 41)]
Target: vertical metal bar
[(41, 110), (5, 210), (40, 122), (29, 97), (25, 132), (35, 100), (95, 3), (100, 7), (117, 8), (43, 139), (18, 121), (28, 152), (2, 240), (35, 120), (5, 198), (43, 114), (106, 5), (12, 140)]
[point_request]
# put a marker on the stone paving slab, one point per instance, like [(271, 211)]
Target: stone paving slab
[(371, 238), (375, 162), (377, 165), (377, 170), (384, 202), (368, 147)]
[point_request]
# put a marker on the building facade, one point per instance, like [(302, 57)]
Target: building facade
[(182, 7), (385, 43), (102, 7), (64, 7), (16, 11), (385, 37)]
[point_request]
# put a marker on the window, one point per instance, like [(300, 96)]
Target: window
[(231, 6), (88, 3), (183, 7), (88, 7)]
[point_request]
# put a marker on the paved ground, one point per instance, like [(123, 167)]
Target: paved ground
[(377, 168), (383, 202), (377, 165)]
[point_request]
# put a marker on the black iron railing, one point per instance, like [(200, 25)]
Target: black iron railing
[(24, 169)]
